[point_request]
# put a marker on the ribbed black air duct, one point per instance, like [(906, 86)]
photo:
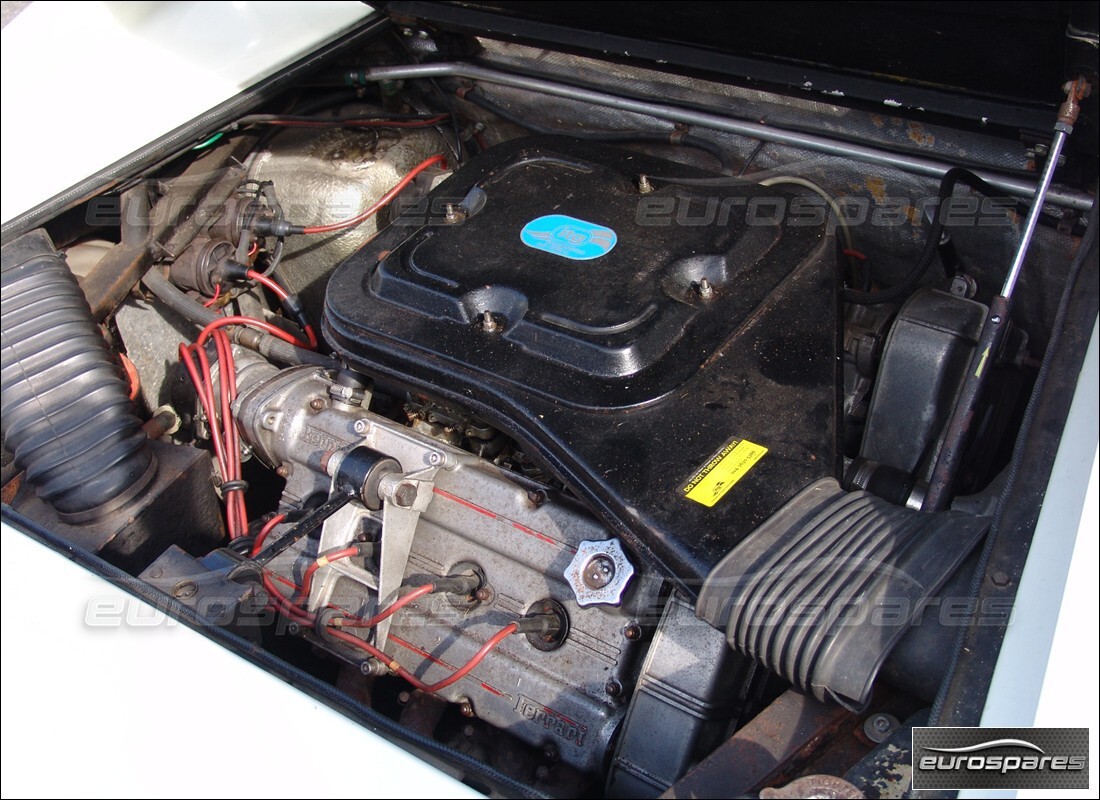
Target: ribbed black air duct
[(64, 405)]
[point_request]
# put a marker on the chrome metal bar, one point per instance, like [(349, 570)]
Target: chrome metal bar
[(1036, 208), (990, 341), (1019, 187)]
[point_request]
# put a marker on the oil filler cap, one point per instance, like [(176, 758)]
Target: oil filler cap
[(599, 573)]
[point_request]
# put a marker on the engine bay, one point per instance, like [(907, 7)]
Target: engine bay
[(535, 403)]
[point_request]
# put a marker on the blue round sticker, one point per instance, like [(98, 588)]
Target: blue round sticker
[(568, 237)]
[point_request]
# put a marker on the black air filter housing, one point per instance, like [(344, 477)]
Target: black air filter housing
[(649, 345)]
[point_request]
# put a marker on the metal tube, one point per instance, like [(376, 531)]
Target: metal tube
[(1019, 187), (1036, 208), (945, 471)]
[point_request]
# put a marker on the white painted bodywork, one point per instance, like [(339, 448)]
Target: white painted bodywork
[(85, 84), (1046, 675), (103, 695)]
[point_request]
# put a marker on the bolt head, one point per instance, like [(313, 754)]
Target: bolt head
[(185, 589), (633, 631), (613, 688), (878, 727), (361, 426), (317, 403), (404, 495)]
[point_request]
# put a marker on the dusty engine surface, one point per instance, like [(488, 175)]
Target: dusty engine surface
[(652, 330), (561, 689)]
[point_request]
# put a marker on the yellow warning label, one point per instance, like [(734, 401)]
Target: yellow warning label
[(729, 465)]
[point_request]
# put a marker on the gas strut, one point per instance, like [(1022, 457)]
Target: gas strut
[(996, 323)]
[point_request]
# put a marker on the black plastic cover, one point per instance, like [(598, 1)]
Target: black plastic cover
[(924, 364), (624, 371)]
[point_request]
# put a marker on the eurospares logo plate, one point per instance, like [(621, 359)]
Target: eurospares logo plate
[(1000, 758)]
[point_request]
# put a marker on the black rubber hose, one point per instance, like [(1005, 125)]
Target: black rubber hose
[(176, 300), (902, 290), (644, 137), (267, 345), (65, 406), (725, 160)]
